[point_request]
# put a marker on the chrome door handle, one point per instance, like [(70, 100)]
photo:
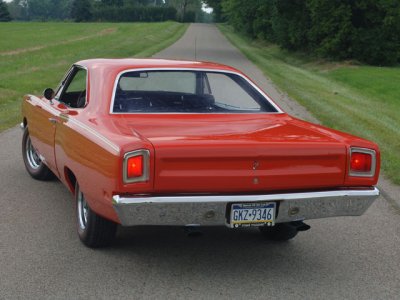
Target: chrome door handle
[(52, 120)]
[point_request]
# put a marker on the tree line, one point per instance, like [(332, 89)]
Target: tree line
[(4, 13), (364, 30), (104, 10)]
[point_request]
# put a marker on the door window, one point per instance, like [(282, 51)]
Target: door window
[(74, 93)]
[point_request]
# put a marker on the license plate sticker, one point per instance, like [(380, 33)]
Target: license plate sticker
[(252, 214)]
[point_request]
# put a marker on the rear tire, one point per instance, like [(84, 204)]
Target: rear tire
[(93, 230), (33, 164), (280, 232)]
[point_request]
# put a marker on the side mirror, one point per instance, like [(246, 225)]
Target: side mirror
[(48, 93)]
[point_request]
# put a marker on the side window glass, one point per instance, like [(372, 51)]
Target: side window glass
[(74, 93)]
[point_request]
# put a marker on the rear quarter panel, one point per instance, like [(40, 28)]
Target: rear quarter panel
[(94, 160)]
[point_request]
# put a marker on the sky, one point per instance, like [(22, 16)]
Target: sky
[(208, 10)]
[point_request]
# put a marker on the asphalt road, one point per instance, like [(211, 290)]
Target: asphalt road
[(41, 256)]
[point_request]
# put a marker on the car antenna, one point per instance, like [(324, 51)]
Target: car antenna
[(195, 48)]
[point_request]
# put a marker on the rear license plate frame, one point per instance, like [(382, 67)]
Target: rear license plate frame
[(241, 213)]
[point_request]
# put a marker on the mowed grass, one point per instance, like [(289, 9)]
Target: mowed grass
[(361, 100), (34, 56)]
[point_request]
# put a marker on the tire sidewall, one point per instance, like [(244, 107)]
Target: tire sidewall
[(98, 232), (82, 232)]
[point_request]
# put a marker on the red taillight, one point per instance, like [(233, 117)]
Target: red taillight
[(135, 166), (360, 162)]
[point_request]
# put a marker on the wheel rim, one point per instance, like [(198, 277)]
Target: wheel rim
[(31, 155), (83, 210)]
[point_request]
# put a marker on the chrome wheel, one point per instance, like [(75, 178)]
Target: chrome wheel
[(83, 210), (32, 156), (32, 161), (93, 230)]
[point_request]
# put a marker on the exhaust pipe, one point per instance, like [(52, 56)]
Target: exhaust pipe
[(300, 225)]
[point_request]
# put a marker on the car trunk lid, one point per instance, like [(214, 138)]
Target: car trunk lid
[(240, 153)]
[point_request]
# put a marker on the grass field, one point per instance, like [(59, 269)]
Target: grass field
[(358, 99), (34, 56)]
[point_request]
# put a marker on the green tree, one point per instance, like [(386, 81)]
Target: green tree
[(216, 5), (4, 13), (81, 11), (262, 21), (40, 9), (290, 23), (365, 30), (376, 36), (240, 14), (331, 30), (188, 10), (113, 2), (18, 9)]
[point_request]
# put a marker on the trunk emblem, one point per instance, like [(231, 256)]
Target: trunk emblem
[(256, 164)]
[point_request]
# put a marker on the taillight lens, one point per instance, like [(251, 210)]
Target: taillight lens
[(136, 166), (362, 162)]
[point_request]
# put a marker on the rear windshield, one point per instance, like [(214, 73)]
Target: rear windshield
[(187, 92)]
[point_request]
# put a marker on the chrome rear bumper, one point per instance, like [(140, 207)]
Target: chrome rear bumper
[(212, 210)]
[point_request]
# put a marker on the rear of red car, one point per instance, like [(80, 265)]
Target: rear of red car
[(305, 171), (222, 153)]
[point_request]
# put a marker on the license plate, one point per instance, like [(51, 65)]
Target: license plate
[(252, 214)]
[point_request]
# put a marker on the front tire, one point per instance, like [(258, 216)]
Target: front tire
[(93, 230), (280, 232), (33, 164)]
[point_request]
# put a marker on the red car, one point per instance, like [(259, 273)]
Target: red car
[(165, 142)]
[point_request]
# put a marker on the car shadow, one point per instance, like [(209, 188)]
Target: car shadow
[(218, 250)]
